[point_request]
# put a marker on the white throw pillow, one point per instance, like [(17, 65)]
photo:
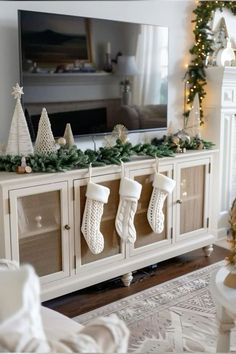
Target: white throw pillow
[(21, 329), (21, 326)]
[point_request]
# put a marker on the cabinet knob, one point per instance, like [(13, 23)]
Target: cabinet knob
[(67, 227), (179, 201)]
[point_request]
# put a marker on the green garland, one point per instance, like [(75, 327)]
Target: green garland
[(68, 159), (195, 75), (62, 160), (192, 143)]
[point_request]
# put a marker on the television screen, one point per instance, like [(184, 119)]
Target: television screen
[(93, 73)]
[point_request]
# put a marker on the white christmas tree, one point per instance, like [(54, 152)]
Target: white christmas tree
[(193, 123), (45, 142), (19, 141), (68, 135)]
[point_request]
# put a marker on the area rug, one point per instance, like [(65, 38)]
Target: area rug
[(176, 316)]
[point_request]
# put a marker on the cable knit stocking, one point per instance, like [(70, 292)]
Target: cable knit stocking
[(130, 191), (162, 186), (96, 195)]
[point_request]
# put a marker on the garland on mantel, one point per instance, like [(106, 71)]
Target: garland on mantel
[(202, 48), (176, 143), (69, 159)]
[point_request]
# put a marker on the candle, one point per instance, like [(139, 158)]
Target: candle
[(108, 48)]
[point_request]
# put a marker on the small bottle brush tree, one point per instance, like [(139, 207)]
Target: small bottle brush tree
[(231, 259)]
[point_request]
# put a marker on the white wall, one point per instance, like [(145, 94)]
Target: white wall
[(175, 14)]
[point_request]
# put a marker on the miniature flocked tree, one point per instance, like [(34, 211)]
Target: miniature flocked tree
[(19, 141), (45, 142)]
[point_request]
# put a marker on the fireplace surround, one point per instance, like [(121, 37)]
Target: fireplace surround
[(81, 122), (220, 127), (103, 115)]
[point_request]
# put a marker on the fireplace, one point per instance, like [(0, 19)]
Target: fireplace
[(86, 121), (100, 115)]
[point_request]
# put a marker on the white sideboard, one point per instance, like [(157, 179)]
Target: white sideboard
[(40, 221), (220, 127)]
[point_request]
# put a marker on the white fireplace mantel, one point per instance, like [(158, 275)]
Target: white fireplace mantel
[(64, 87), (216, 73), (70, 78), (220, 127)]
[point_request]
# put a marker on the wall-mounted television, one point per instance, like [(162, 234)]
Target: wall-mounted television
[(92, 73)]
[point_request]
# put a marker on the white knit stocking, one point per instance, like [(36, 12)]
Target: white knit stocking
[(130, 191), (96, 195), (162, 186)]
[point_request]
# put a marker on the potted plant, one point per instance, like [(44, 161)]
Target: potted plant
[(230, 280)]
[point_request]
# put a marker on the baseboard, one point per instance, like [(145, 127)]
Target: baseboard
[(222, 243)]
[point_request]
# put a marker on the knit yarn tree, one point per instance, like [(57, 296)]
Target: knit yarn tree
[(19, 141), (45, 142), (68, 135)]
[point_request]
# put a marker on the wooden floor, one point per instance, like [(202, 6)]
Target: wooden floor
[(104, 293)]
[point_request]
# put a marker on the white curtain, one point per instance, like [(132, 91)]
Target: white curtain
[(152, 60)]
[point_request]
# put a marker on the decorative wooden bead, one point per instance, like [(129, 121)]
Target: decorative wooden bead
[(61, 141), (28, 169)]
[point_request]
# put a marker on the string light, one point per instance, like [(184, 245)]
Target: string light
[(201, 49)]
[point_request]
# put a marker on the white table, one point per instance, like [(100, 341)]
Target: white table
[(225, 299)]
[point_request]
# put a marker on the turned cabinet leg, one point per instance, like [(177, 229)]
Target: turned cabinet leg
[(208, 250), (127, 279)]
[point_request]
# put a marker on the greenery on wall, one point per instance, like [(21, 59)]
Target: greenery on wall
[(202, 48)]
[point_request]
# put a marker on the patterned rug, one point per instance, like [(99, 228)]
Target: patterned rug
[(176, 316)]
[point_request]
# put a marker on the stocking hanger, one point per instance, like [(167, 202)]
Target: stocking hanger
[(90, 172), (122, 168), (156, 166)]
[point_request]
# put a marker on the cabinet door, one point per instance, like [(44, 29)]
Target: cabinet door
[(147, 240), (39, 229), (192, 198), (113, 245)]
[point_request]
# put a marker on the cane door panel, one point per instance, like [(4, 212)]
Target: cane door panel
[(147, 240), (113, 245), (40, 230), (192, 199)]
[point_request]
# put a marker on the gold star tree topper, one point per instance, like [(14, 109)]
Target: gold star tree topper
[(17, 91)]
